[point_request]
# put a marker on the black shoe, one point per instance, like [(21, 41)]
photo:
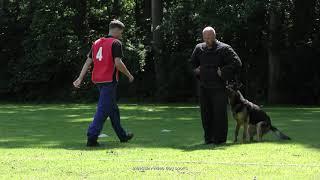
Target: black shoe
[(92, 144), (129, 136)]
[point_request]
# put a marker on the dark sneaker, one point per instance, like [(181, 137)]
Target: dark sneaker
[(92, 144), (129, 136)]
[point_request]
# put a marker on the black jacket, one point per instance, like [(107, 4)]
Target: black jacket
[(220, 56)]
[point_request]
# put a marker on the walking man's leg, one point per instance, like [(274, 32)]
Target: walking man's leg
[(115, 118), (101, 115)]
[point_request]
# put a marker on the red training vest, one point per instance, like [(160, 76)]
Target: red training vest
[(103, 62)]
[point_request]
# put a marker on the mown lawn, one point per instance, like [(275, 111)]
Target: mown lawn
[(48, 141)]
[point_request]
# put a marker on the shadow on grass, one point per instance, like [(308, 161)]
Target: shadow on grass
[(64, 127)]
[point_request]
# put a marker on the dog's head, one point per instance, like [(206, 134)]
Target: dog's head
[(233, 92)]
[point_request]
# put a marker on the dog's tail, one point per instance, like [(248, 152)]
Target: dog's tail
[(279, 134)]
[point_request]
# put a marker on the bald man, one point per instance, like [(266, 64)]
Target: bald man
[(214, 63)]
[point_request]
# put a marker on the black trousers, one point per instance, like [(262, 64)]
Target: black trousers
[(213, 104)]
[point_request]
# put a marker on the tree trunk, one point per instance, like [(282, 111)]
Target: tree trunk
[(303, 20), (116, 9), (157, 13), (147, 8), (146, 26), (80, 20), (80, 23), (274, 51), (3, 4)]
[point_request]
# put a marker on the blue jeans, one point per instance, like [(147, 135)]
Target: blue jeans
[(107, 107)]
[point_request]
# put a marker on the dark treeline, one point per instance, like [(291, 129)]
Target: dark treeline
[(44, 44)]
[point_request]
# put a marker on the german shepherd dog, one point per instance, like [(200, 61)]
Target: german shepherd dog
[(253, 119)]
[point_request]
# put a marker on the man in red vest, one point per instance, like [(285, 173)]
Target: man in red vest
[(106, 54)]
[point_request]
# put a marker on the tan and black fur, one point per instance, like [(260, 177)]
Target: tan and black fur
[(253, 119)]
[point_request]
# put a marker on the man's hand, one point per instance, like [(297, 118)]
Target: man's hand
[(77, 83), (131, 78), (219, 72), (84, 70)]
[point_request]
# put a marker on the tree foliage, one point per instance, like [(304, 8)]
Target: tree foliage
[(44, 44)]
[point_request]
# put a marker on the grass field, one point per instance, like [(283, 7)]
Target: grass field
[(48, 141)]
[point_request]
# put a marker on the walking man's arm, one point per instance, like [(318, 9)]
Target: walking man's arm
[(122, 68), (84, 70)]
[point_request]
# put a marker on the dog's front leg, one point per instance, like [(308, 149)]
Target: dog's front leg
[(259, 131), (245, 132), (236, 132)]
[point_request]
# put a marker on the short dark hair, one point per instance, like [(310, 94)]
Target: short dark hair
[(116, 24)]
